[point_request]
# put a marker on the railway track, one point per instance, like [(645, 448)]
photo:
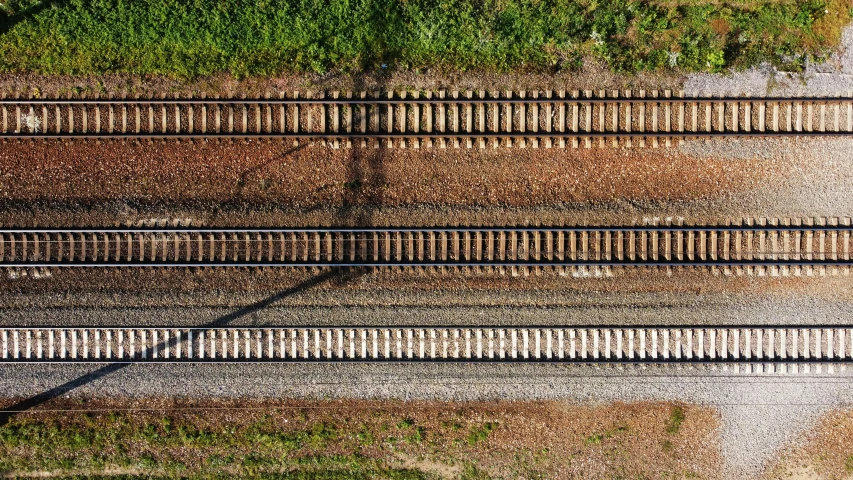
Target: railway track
[(580, 344), (440, 119), (771, 245)]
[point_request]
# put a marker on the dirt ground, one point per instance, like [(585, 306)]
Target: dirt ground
[(438, 439), (824, 452)]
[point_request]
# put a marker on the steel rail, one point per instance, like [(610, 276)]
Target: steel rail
[(484, 326), (434, 264), (426, 136), (588, 361), (585, 246), (419, 101), (498, 121), (575, 344), (461, 229)]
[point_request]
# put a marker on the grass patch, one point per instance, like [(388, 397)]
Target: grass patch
[(185, 39), (481, 433), (155, 446), (351, 439), (676, 418)]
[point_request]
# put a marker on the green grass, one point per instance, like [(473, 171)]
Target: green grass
[(479, 434), (676, 418), (257, 450), (189, 38)]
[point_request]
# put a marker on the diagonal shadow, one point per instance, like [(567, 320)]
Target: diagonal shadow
[(7, 413), (244, 177), (364, 195)]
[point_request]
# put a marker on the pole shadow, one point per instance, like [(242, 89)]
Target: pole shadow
[(244, 176), (364, 195), (9, 412)]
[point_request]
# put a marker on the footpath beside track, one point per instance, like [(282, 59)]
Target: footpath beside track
[(435, 119), (770, 344), (774, 245)]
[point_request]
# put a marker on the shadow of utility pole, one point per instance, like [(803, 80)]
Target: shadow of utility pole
[(7, 413)]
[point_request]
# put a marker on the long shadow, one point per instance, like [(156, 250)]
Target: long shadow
[(9, 21), (366, 172), (367, 179), (364, 195), (7, 413), (244, 177), (364, 191)]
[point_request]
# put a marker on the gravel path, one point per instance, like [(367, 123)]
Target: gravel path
[(271, 173)]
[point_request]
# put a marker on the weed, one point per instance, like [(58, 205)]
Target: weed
[(149, 433), (417, 436), (471, 472), (353, 184), (453, 426), (220, 460), (848, 464), (365, 436), (676, 418), (321, 433), (405, 423), (594, 439), (476, 435), (147, 461), (166, 422)]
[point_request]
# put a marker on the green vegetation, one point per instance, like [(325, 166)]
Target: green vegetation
[(676, 418), (160, 448), (417, 433), (352, 439), (478, 434), (188, 38)]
